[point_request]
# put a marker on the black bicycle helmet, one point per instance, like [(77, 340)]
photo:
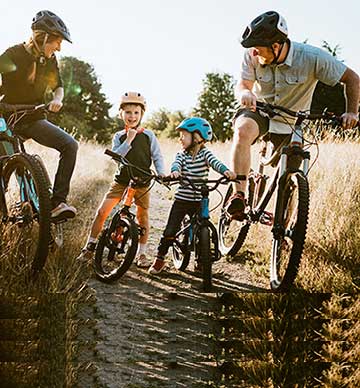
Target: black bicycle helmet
[(266, 29), (49, 22)]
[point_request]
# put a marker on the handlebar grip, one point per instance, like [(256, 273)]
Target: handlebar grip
[(241, 177), (114, 155), (166, 179)]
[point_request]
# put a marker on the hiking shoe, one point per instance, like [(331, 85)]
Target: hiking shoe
[(141, 261), (157, 266), (236, 206), (63, 211), (87, 253)]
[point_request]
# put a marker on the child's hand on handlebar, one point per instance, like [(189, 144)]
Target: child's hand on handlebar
[(174, 174), (230, 175)]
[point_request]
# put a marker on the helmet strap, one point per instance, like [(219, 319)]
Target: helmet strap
[(41, 51), (276, 57)]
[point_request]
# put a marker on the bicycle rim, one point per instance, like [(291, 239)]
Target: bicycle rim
[(116, 250), (232, 233), (180, 249), (288, 246), (25, 226)]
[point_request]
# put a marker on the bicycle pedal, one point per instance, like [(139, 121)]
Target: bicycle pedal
[(267, 218)]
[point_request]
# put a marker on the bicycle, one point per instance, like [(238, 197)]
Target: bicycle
[(290, 217), (197, 233), (25, 196), (118, 242)]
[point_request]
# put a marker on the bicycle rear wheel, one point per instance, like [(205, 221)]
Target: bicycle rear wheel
[(180, 248), (289, 234), (232, 233), (116, 249), (204, 256), (25, 223)]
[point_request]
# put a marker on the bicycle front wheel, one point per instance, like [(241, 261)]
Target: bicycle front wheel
[(232, 233), (56, 229), (25, 223), (204, 256), (180, 248), (116, 250), (290, 232)]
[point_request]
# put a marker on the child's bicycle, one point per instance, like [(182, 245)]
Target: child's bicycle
[(118, 242), (197, 233), (25, 196), (290, 184)]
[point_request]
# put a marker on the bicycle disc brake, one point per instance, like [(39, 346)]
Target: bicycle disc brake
[(266, 218)]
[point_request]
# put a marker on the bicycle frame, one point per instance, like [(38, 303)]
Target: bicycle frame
[(11, 144), (293, 151)]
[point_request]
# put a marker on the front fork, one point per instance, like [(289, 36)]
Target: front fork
[(290, 161)]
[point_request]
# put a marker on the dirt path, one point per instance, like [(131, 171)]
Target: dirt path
[(156, 331)]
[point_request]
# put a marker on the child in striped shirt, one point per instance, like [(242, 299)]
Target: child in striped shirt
[(193, 162)]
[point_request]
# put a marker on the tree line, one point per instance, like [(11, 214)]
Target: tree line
[(85, 113)]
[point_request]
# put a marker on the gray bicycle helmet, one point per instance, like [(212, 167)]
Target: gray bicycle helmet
[(49, 22), (266, 29)]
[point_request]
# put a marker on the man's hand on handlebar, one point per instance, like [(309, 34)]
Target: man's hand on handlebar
[(349, 120), (247, 99)]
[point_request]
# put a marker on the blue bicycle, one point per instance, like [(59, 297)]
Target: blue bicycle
[(197, 233), (25, 197)]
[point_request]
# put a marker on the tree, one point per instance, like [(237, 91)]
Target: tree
[(175, 119), (85, 112), (216, 103), (158, 121)]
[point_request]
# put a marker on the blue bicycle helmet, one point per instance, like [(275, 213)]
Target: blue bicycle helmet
[(197, 124)]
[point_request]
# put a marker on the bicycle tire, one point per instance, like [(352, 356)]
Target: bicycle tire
[(28, 210), (232, 233), (56, 229), (180, 247), (113, 259), (287, 246), (204, 257)]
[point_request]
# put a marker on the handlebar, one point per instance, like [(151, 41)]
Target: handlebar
[(118, 158), (164, 180), (16, 108), (198, 185), (271, 109)]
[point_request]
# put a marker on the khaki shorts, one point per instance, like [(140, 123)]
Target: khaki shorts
[(142, 195)]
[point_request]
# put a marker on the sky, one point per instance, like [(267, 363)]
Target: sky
[(164, 48)]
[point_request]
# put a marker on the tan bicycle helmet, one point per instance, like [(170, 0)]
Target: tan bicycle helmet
[(133, 98)]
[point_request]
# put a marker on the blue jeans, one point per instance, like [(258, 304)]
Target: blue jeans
[(178, 211), (49, 135)]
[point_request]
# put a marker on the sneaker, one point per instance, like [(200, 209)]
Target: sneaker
[(87, 253), (157, 266), (142, 261), (236, 206), (63, 211)]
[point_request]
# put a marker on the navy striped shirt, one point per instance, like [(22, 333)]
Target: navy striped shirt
[(196, 169)]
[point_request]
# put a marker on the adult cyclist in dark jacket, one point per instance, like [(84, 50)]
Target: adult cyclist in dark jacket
[(30, 70)]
